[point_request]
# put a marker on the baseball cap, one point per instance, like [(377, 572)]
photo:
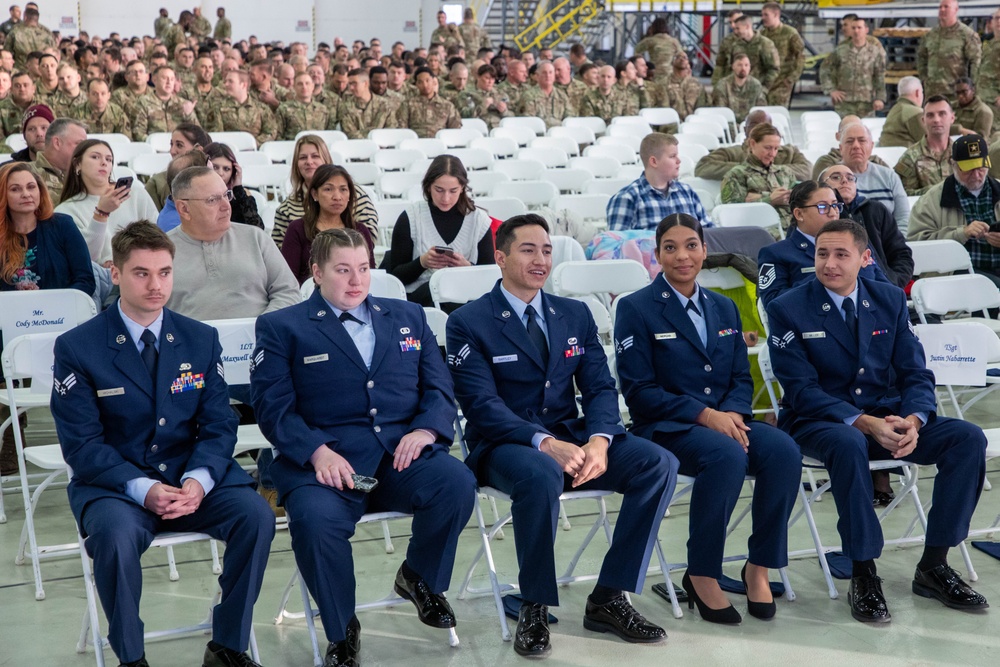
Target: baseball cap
[(971, 152)]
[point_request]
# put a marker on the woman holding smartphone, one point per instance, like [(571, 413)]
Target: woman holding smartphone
[(223, 161), (685, 376), (445, 230), (98, 203)]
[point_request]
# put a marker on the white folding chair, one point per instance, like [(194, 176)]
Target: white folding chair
[(604, 278), (606, 186), (568, 181), (483, 182), (592, 123), (328, 136), (874, 126), (890, 154), (426, 146), (519, 169), (599, 166), (633, 141), (363, 173), (498, 147), (278, 151), (397, 184), (710, 186), (254, 159), (564, 249), (272, 178), (634, 171), (355, 150), (690, 148), (814, 153), (457, 137), (959, 296), (624, 154), (388, 212), (519, 134), (502, 208), (567, 145), (657, 116), (711, 125), (396, 159), (119, 171), (238, 141), (687, 166), (534, 194), (630, 120), (634, 131), (391, 137), (725, 112), (693, 135), (437, 320), (533, 123), (939, 256), (580, 134), (387, 286), (149, 164), (420, 165), (160, 141), (586, 207), (462, 284), (124, 153), (477, 125), (551, 157), (473, 159), (753, 214), (115, 139)]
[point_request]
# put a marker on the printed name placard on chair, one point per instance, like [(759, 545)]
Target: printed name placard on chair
[(21, 316), (956, 353)]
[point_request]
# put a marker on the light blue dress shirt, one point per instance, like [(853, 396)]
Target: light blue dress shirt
[(697, 318), (363, 335)]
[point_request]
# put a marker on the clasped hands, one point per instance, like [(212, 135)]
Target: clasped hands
[(896, 434), (582, 463), (169, 502)]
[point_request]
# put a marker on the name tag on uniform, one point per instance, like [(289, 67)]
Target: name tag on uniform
[(664, 336), (806, 335), (504, 358), (316, 358), (809, 269), (117, 391)]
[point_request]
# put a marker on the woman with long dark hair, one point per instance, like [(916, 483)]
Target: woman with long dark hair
[(223, 161)]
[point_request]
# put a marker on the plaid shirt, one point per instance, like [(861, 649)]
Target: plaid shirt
[(983, 255), (639, 206)]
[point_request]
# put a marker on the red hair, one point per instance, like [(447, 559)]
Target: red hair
[(14, 245)]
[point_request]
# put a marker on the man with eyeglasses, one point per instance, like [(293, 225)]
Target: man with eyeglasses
[(224, 271)]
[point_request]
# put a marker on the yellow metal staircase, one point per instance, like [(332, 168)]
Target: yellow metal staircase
[(556, 22)]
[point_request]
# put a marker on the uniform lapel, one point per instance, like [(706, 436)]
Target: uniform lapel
[(126, 358), (382, 325), (833, 319), (674, 313), (711, 322), (513, 328), (558, 333), (169, 359), (332, 328), (866, 320)]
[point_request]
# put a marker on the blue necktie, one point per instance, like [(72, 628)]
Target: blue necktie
[(148, 353), (851, 318), (536, 334)]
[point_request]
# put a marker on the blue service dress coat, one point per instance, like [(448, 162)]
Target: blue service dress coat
[(310, 388), (669, 377), (830, 379), (785, 264), (117, 424), (509, 396)]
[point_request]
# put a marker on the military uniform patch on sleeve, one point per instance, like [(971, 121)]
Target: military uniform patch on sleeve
[(766, 276), (783, 341), (455, 360), (221, 369), (256, 360), (64, 385), (622, 345)]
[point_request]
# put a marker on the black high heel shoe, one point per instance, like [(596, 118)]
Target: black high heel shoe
[(726, 616), (763, 610)]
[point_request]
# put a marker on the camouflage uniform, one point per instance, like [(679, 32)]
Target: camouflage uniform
[(24, 39), (660, 50), (575, 91), (63, 105), (204, 102), (920, 168), (201, 27), (357, 119), (161, 25), (752, 177), (281, 93), (552, 108), (606, 107), (740, 100), (724, 61), (44, 95), (128, 100), (836, 157), (172, 37), (512, 92), (394, 100), (764, 61), (472, 103), (945, 55), (113, 120), (251, 116), (12, 116), (685, 94), (427, 116), (188, 80), (719, 162), (637, 95), (977, 116), (903, 126), (52, 177), (995, 159), (474, 37), (449, 92), (988, 79), (447, 35), (294, 117), (155, 115), (858, 73), (223, 29), (791, 61)]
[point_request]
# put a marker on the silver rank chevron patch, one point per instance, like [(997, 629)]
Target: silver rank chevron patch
[(622, 345), (455, 360), (222, 370), (766, 275), (257, 360), (65, 385), (783, 341)]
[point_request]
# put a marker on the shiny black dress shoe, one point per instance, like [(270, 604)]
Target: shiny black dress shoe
[(882, 499), (943, 583), (217, 655), (532, 637), (765, 611), (867, 601), (432, 609), (141, 662), (621, 618), (345, 653), (726, 616)]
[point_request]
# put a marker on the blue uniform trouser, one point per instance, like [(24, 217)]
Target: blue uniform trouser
[(119, 531), (956, 447), (642, 472), (437, 488), (719, 466)]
